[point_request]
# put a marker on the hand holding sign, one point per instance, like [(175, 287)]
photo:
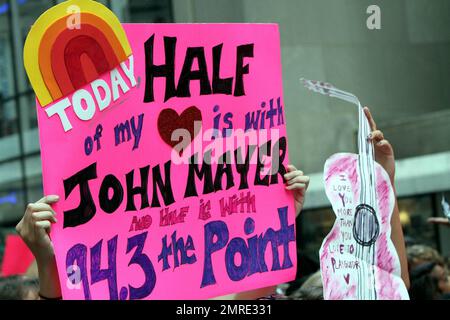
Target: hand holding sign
[(298, 183), (34, 228)]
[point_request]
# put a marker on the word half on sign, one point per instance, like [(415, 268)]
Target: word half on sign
[(218, 85)]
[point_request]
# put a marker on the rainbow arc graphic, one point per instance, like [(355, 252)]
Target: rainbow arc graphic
[(60, 58)]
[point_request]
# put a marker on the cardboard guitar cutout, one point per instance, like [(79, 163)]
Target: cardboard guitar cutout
[(358, 260)]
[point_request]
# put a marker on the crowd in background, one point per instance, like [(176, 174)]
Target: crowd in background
[(428, 271)]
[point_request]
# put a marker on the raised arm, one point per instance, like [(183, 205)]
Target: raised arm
[(384, 155)]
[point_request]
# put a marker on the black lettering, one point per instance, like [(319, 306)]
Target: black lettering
[(224, 168), (141, 190), (263, 150), (106, 204), (224, 86), (166, 70), (279, 149), (242, 167), (204, 173), (165, 188), (187, 74), (243, 51)]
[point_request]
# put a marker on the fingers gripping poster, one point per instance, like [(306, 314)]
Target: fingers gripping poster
[(167, 146)]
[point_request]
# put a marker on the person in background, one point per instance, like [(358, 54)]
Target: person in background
[(19, 288), (429, 269), (384, 155), (307, 267), (440, 273), (419, 254), (447, 262), (440, 221), (312, 288), (443, 221), (429, 281)]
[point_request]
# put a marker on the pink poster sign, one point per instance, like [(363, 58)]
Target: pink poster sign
[(170, 167)]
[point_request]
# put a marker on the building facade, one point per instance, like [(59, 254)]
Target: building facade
[(402, 71)]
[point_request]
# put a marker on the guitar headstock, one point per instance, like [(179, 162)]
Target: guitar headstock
[(317, 86)]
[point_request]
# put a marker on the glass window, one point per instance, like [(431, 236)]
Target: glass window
[(12, 202), (29, 11), (414, 213), (8, 115), (444, 231), (5, 53), (313, 227), (149, 11), (34, 177)]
